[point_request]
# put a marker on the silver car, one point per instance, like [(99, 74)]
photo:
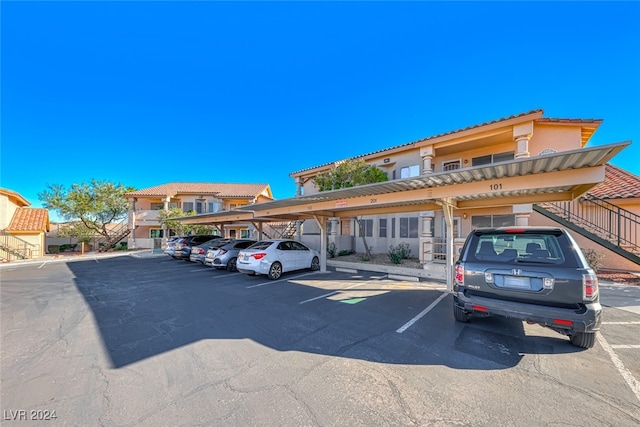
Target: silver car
[(226, 255)]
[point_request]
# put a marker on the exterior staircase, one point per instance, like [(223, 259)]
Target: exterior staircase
[(117, 234), (12, 248), (609, 225), (281, 230)]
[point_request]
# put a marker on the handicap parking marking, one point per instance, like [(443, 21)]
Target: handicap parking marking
[(422, 313)]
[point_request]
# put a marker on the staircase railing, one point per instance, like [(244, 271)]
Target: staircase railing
[(596, 216), (280, 230), (12, 247), (115, 235)]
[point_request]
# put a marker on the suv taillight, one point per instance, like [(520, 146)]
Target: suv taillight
[(589, 287), (459, 275)]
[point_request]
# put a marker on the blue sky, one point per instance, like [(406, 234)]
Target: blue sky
[(146, 93)]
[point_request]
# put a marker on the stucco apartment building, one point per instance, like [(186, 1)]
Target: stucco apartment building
[(201, 198), (503, 140), (22, 229)]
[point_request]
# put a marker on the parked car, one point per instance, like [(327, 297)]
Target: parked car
[(183, 246), (199, 252), (535, 274), (225, 255), (274, 257), (170, 246)]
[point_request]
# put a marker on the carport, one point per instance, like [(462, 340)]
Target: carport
[(560, 176)]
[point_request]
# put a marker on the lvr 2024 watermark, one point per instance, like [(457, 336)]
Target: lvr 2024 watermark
[(28, 415)]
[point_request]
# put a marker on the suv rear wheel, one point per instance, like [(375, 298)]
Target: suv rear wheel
[(583, 339), (459, 314)]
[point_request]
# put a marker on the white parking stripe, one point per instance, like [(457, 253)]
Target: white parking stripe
[(331, 293), (626, 374), (621, 323), (281, 280), (422, 313), (624, 346)]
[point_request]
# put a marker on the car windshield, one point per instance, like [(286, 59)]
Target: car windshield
[(518, 248), (261, 245)]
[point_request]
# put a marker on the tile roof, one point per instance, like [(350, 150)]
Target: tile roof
[(15, 197), (586, 136), (29, 219), (428, 138), (205, 188), (618, 184)]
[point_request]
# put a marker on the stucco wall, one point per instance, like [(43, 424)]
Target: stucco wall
[(611, 259), (7, 209)]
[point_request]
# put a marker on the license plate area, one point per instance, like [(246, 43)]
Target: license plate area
[(515, 282)]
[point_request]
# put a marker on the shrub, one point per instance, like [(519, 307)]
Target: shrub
[(399, 252), (331, 250), (593, 258), (346, 252)]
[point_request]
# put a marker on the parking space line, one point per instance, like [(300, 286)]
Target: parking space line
[(624, 346), (43, 264), (281, 280), (626, 374), (422, 313), (621, 323), (331, 293)]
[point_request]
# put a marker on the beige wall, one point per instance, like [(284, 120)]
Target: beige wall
[(559, 138), (611, 259), (7, 209)]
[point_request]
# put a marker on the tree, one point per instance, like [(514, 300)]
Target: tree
[(96, 205), (166, 218), (351, 173)]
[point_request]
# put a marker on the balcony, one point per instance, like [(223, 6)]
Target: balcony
[(144, 217)]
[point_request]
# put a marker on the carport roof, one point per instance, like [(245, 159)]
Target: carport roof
[(567, 175)]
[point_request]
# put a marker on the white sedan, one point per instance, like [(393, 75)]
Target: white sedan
[(274, 257)]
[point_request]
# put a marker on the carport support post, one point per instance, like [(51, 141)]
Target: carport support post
[(322, 223), (447, 209)]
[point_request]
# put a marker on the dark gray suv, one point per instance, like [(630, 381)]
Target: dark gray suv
[(535, 274)]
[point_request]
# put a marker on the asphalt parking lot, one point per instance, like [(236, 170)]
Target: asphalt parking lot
[(136, 340)]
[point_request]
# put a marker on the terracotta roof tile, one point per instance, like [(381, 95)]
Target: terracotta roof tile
[(428, 138), (618, 184), (205, 188), (29, 219)]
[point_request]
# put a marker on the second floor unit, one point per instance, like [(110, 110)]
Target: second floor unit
[(523, 135), (206, 197)]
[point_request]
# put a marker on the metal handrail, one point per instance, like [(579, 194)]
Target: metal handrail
[(611, 222), (11, 245)]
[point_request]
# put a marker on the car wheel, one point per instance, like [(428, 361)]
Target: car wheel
[(459, 314), (275, 271), (315, 264), (231, 264), (583, 339)]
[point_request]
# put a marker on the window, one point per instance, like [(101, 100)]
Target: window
[(382, 228), (174, 205), (156, 206), (366, 225), (408, 228), (156, 233), (452, 165), (345, 227), (492, 158), (483, 221), (244, 234), (410, 171), (199, 207), (393, 228), (187, 206), (233, 206)]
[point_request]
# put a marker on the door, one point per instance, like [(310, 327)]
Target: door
[(441, 242)]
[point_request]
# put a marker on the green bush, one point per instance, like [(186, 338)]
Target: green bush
[(399, 252), (54, 249), (346, 252), (593, 258)]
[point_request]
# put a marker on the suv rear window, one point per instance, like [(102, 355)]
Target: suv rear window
[(538, 248)]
